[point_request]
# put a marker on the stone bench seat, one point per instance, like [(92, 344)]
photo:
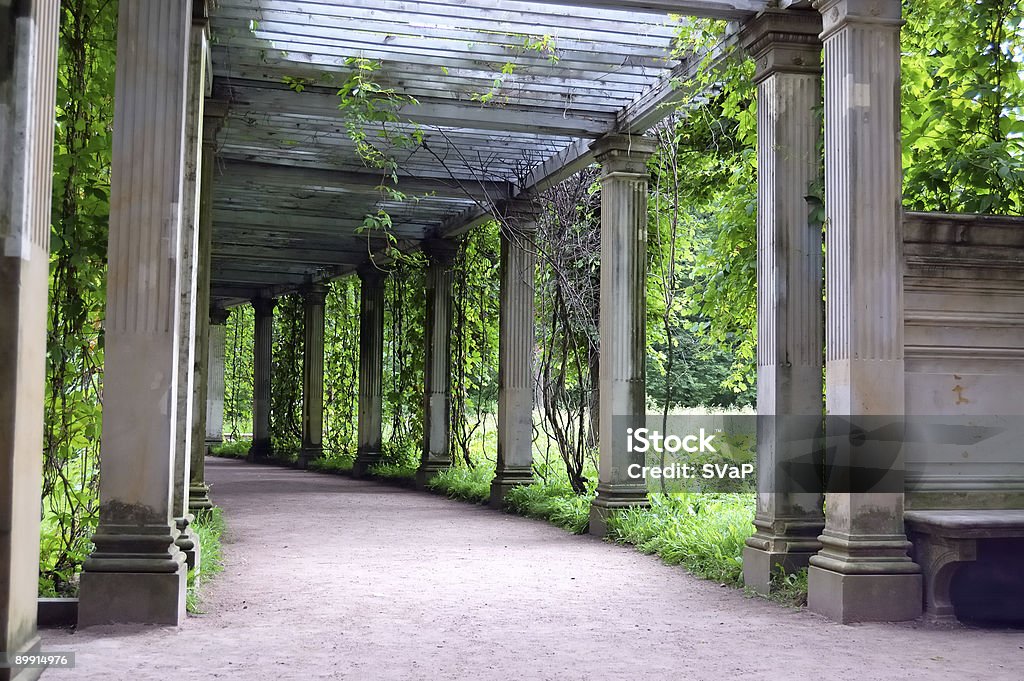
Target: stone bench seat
[(945, 539)]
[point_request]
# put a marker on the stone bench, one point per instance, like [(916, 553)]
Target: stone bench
[(943, 540)]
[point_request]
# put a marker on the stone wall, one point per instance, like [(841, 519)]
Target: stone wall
[(964, 344)]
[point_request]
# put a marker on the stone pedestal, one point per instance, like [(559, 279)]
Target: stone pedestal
[(371, 365), (314, 298), (515, 350), (786, 49), (437, 366), (863, 571), (623, 325), (136, 573), (189, 279), (28, 68), (215, 377), (262, 362)]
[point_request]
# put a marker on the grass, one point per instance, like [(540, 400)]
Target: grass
[(209, 527), (463, 483), (232, 450), (335, 464), (789, 589), (552, 501), (394, 471), (703, 532)]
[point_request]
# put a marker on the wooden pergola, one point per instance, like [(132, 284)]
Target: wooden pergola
[(236, 179)]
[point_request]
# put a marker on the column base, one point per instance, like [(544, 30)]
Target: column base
[(428, 469), (506, 480), (188, 542), (132, 598), (199, 497), (307, 454), (760, 565), (608, 501), (865, 597), (364, 460), (259, 451), (24, 674)]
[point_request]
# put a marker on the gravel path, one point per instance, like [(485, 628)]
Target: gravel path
[(329, 578)]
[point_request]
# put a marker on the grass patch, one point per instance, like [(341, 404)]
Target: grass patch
[(552, 501), (336, 464), (789, 589), (394, 471), (703, 532), (232, 450), (465, 484), (209, 527)]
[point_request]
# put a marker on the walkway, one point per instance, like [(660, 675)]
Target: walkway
[(329, 578)]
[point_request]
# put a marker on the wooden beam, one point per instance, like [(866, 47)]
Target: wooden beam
[(272, 174), (716, 9)]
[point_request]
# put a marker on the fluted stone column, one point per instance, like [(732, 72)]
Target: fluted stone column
[(437, 365), (263, 357), (515, 350), (189, 297), (28, 70), (199, 491), (136, 572), (371, 366), (790, 279), (862, 571), (622, 325), (314, 298), (215, 377)]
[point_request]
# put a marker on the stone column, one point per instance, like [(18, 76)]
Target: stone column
[(790, 279), (437, 364), (862, 571), (262, 360), (189, 298), (215, 377), (314, 298), (516, 350), (136, 572), (622, 325), (28, 69), (199, 491), (371, 366)]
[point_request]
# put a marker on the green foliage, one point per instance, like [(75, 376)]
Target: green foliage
[(341, 369), (239, 449), (703, 532), (963, 106), (78, 247), (464, 483), (554, 501), (394, 471), (336, 464), (209, 528), (404, 313), (238, 371), (789, 588), (286, 396)]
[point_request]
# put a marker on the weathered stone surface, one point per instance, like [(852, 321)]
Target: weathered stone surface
[(516, 322), (621, 379), (263, 360), (438, 336), (790, 280), (136, 569), (28, 67), (371, 367)]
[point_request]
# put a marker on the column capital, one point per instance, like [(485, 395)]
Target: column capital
[(623, 153), (371, 274), (219, 315), (521, 212), (836, 14), (315, 293), (783, 41), (263, 306), (440, 251)]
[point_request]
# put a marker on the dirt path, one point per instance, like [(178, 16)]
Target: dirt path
[(329, 578)]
